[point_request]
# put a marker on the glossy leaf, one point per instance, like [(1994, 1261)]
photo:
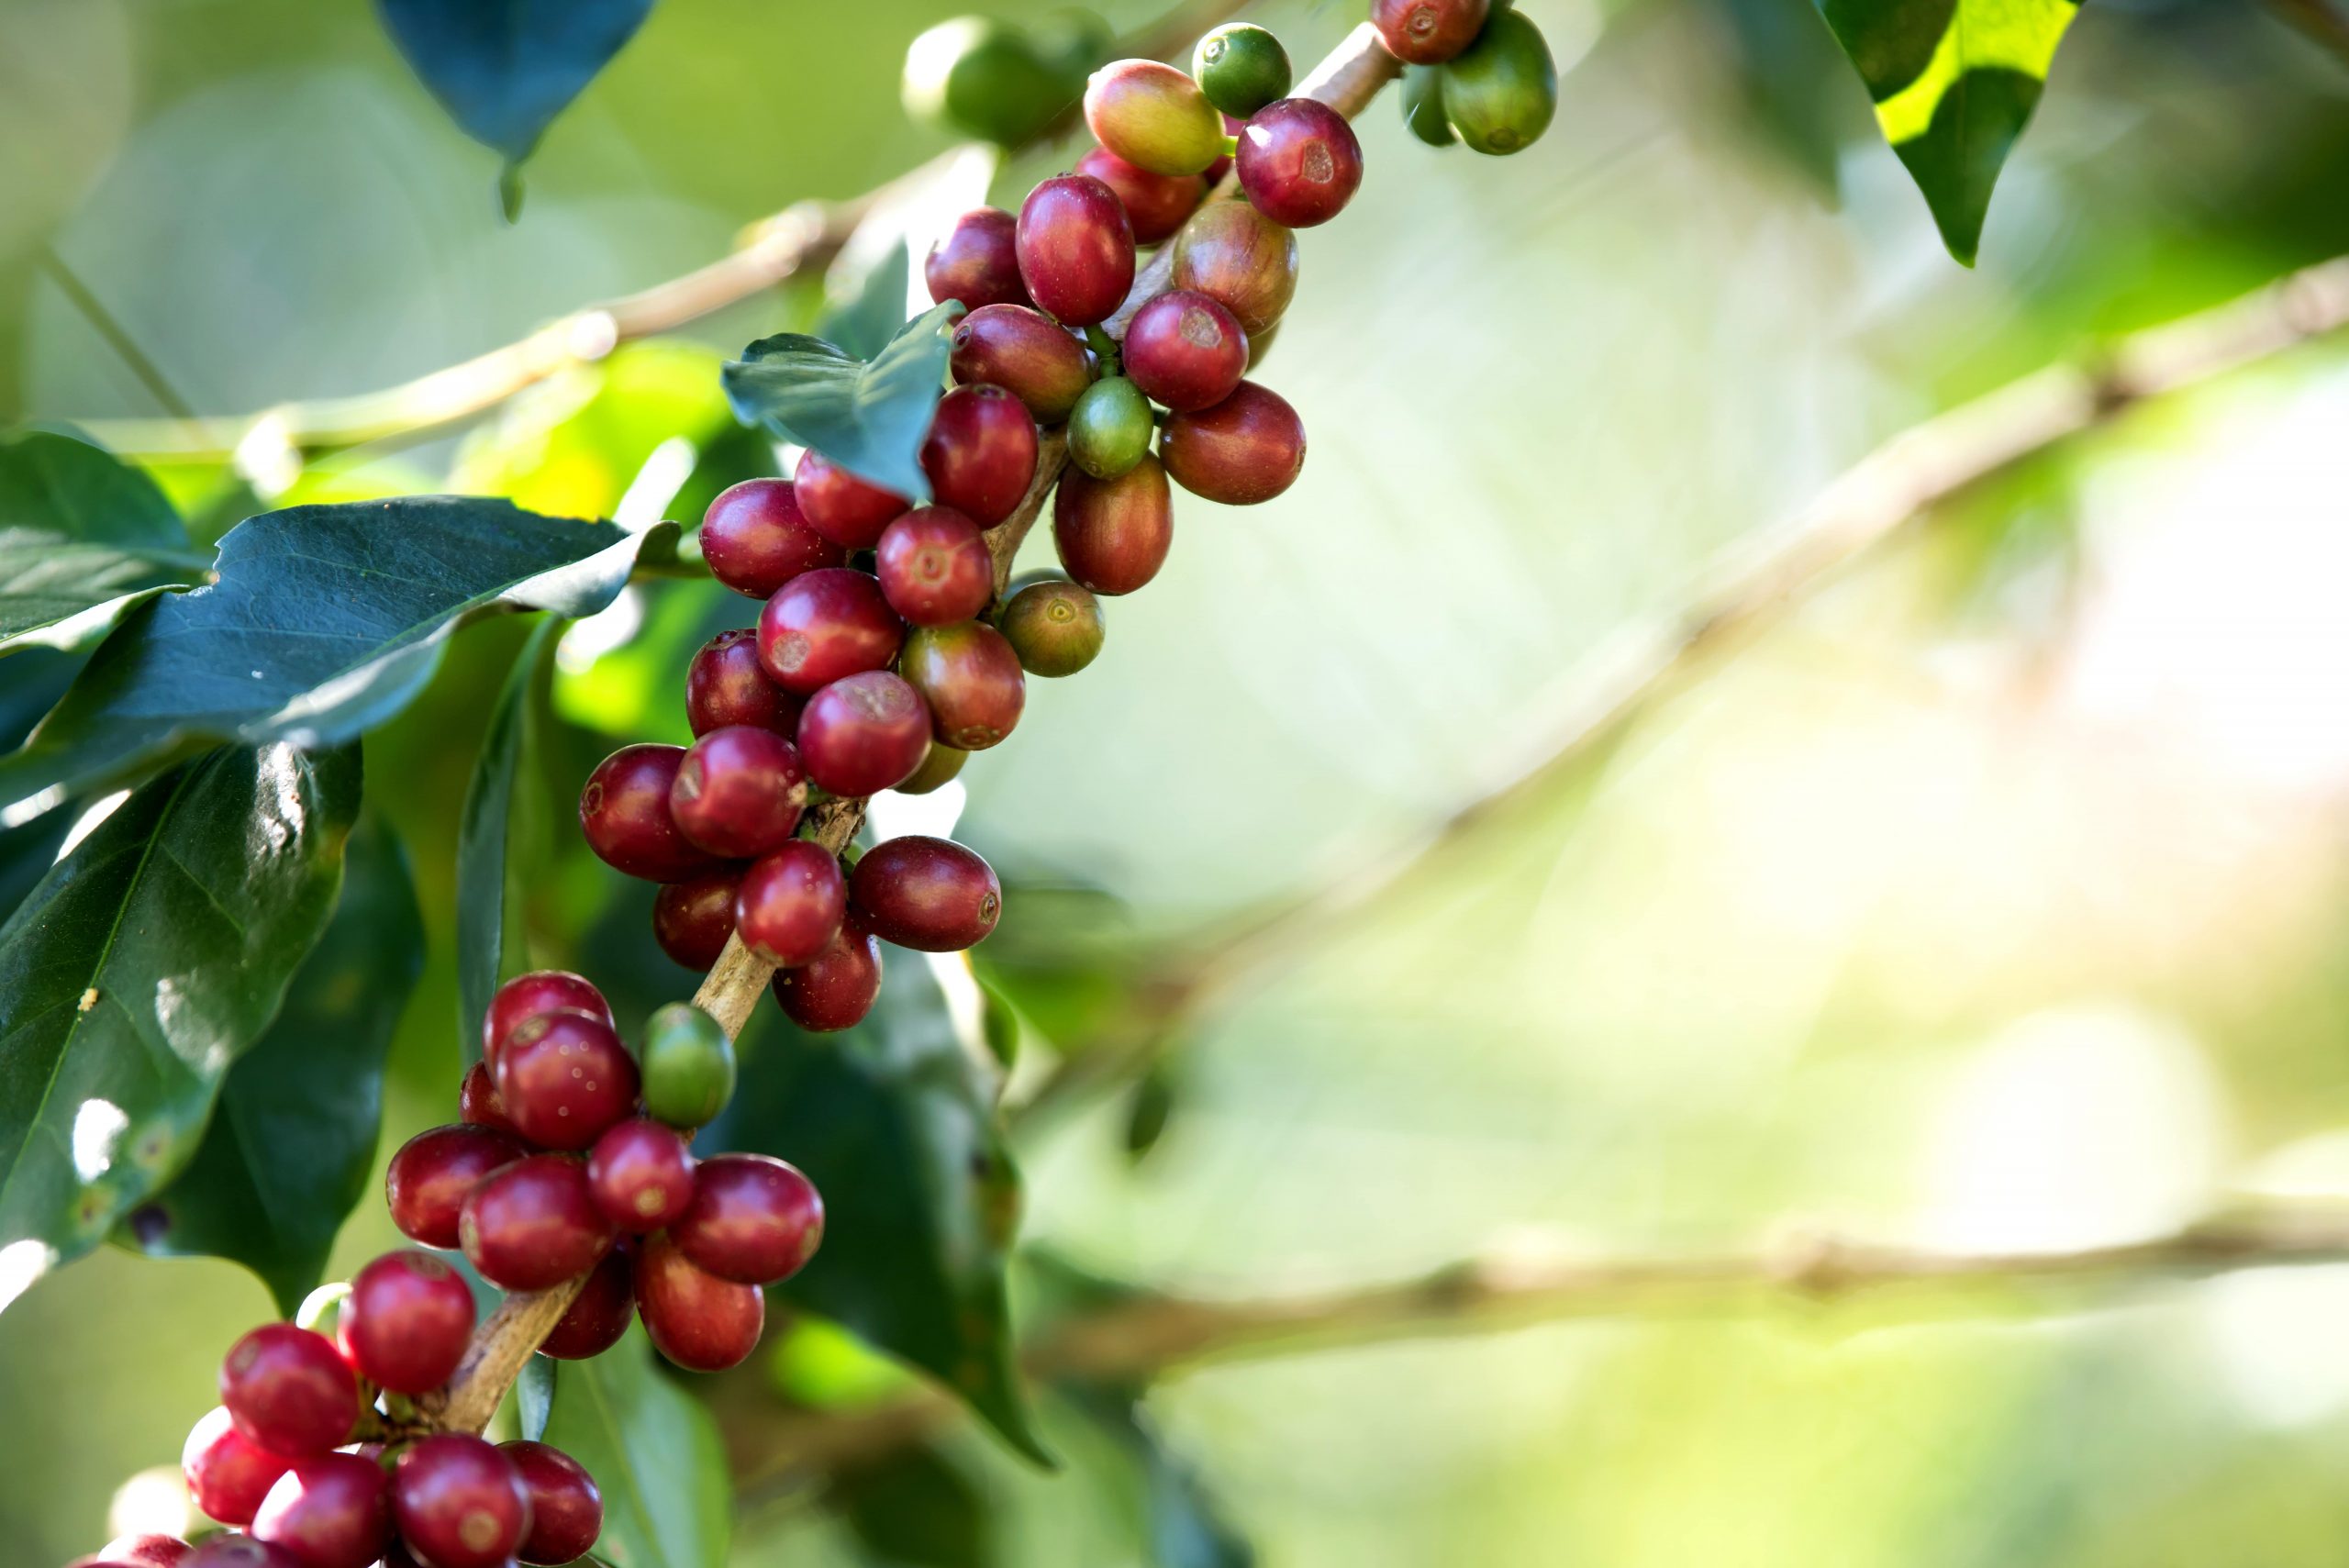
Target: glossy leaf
[(653, 1449), (84, 537), (142, 967), (483, 835), (34, 681), (861, 320), (867, 416), (503, 69), (324, 622), (293, 1141), (1953, 83)]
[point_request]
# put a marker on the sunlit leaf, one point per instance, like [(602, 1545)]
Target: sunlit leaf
[(867, 416), (654, 1451), (84, 537)]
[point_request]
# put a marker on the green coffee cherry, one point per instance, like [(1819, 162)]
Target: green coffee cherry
[(1110, 428), (1500, 94), (937, 767), (1241, 67), (975, 77), (688, 1066), (1053, 625), (1074, 43), (1423, 106)]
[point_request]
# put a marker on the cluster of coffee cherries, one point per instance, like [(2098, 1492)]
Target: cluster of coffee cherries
[(1476, 72)]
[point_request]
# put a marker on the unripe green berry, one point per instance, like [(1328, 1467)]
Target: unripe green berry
[(939, 766), (1153, 116), (1110, 428), (1054, 626), (1422, 96), (1241, 67), (983, 78), (1500, 94), (688, 1066)]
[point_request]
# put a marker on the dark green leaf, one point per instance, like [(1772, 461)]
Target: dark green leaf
[(653, 1449), (36, 679), (84, 537), (293, 1141), (325, 621), (142, 967), (868, 417), (1182, 1527), (915, 1509), (895, 1122), (482, 836), (863, 319), (503, 69)]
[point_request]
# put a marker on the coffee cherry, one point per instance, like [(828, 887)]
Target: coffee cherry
[(566, 1507), (699, 1321), (1422, 95), (791, 903), (1248, 448), (599, 1315), (1155, 205), (1241, 68), (1427, 32), (642, 1174), (406, 1322), (932, 894), (240, 1551), (478, 1105), (1501, 94), (565, 1077), (1113, 534), (1153, 116), (1236, 255), (526, 997), (864, 734), (459, 1502), (726, 684), (755, 540), (289, 1391), (145, 1550), (739, 792), (1186, 349), (1109, 429), (1053, 626), (1076, 250), (981, 78), (934, 566), (624, 813), (826, 625), (970, 678), (1022, 351), (688, 1065), (1299, 161), (980, 453), (1261, 344), (534, 1224), (938, 769), (329, 1511), (433, 1172), (228, 1473), (691, 920), (836, 988), (975, 262), (754, 1219), (848, 511)]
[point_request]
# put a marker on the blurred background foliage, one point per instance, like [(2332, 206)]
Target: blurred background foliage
[(1994, 902)]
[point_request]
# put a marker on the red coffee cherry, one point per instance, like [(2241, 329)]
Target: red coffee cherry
[(329, 1511), (478, 1105), (1238, 257), (459, 1502), (864, 734), (934, 566), (642, 1174), (1428, 32), (624, 812), (228, 1473), (288, 1390), (433, 1172), (1299, 161), (970, 678), (1023, 353), (566, 1508), (754, 1219), (932, 894), (726, 684), (1155, 205), (824, 625), (1113, 534), (565, 1077), (755, 540), (406, 1322), (791, 903), (534, 1224), (980, 453), (976, 263), (240, 1551), (699, 1321), (1248, 448), (144, 1550), (691, 920), (848, 511), (836, 988), (541, 991), (1076, 250), (739, 792), (596, 1319), (1186, 349)]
